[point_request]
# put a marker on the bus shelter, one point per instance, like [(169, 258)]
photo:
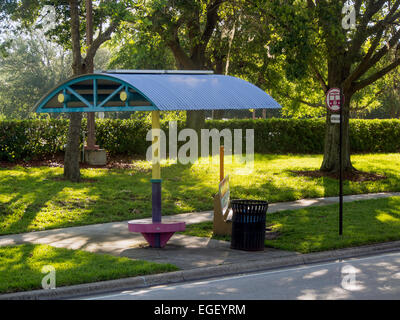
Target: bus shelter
[(154, 91)]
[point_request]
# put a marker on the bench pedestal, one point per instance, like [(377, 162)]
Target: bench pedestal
[(156, 234)]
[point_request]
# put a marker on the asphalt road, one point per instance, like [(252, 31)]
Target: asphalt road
[(373, 277)]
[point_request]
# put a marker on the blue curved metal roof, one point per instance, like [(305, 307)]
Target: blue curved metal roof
[(164, 91), (199, 91)]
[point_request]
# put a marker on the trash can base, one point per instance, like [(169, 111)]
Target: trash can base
[(248, 224), (247, 249)]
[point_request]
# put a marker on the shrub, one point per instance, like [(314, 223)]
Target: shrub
[(279, 135), (29, 139), (35, 139)]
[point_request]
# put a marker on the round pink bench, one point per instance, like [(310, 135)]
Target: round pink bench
[(156, 234)]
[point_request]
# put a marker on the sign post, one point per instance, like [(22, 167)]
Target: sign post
[(334, 102), (341, 167)]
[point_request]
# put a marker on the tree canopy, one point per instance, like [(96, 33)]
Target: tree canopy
[(294, 49)]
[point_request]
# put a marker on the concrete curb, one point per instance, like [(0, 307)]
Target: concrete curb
[(201, 273)]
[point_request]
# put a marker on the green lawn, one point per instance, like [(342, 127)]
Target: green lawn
[(21, 266), (316, 228), (37, 198)]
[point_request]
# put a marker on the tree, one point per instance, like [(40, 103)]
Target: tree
[(70, 32), (186, 27), (29, 68), (139, 49), (313, 43)]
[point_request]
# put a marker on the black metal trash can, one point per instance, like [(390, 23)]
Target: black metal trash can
[(248, 224)]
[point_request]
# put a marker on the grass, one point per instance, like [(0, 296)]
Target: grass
[(21, 266), (38, 198), (316, 228)]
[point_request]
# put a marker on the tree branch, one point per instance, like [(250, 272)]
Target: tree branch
[(75, 37), (197, 52), (101, 38), (370, 60), (320, 79), (371, 79), (362, 33), (212, 19), (361, 68), (180, 55), (369, 102)]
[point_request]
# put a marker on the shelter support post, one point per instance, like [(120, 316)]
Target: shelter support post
[(156, 170), (221, 163), (156, 233), (156, 174)]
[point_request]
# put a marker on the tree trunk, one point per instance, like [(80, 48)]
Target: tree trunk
[(218, 114), (91, 124), (195, 119), (338, 71), (72, 151), (219, 69), (330, 161)]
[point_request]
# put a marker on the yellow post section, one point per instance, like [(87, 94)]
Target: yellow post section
[(221, 163), (155, 120)]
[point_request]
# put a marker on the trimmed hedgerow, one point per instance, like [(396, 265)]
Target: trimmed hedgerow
[(29, 139), (375, 135), (122, 136), (279, 135), (35, 139)]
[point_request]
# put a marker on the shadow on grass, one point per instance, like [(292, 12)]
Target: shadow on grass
[(43, 200), (37, 199), (21, 267), (317, 228)]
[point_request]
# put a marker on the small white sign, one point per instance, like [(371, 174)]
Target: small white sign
[(335, 118)]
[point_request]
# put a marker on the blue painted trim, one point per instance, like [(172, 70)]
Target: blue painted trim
[(155, 180), (76, 94), (103, 109), (127, 94), (65, 101), (110, 96), (95, 92), (39, 107)]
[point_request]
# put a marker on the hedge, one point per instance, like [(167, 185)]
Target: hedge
[(36, 139), (31, 139)]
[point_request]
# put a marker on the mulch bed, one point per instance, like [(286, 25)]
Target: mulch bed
[(356, 176), (125, 162), (121, 162)]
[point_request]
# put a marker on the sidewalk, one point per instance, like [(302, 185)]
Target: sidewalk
[(198, 258), (186, 252)]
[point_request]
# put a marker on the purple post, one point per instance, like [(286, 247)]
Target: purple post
[(156, 208), (156, 233), (156, 200)]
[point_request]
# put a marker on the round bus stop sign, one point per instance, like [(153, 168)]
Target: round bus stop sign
[(332, 99)]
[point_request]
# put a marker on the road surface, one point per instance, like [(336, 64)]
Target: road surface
[(373, 277)]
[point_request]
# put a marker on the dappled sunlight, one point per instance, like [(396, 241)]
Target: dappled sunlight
[(23, 265), (337, 293), (396, 276), (308, 294), (387, 218), (386, 266), (330, 293), (315, 274), (36, 198)]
